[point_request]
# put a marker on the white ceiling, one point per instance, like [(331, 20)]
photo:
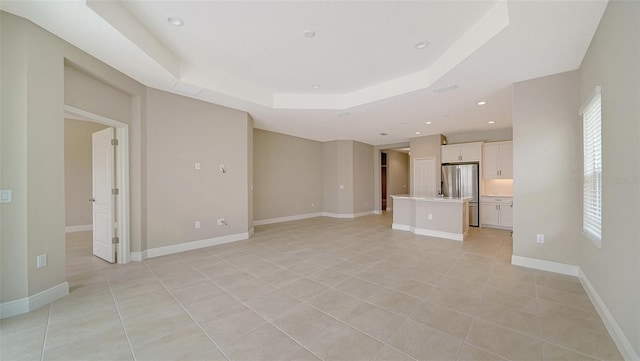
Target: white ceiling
[(253, 56)]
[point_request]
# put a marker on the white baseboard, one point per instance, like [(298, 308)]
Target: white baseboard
[(26, 304), (312, 215), (563, 268), (252, 231), (14, 308), (347, 215), (188, 246), (286, 219), (389, 209), (47, 296), (138, 256), (377, 212), (83, 228), (429, 232), (618, 336)]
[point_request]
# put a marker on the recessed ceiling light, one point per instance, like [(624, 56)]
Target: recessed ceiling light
[(315, 86), (482, 103), (428, 123), (492, 122), (175, 21), (422, 45), (309, 33), (417, 132)]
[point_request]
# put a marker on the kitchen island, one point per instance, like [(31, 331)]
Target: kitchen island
[(440, 217)]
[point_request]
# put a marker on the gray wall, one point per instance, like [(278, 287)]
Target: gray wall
[(77, 171), (547, 159), (288, 175), (181, 132), (397, 175), (612, 61)]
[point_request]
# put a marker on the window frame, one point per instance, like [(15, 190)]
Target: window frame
[(592, 178)]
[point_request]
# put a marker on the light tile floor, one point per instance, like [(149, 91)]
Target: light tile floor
[(316, 289)]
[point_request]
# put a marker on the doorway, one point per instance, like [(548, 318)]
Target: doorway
[(383, 180), (121, 221)]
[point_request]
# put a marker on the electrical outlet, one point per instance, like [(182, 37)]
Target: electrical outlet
[(41, 260), (221, 222), (313, 204), (430, 216), (197, 166), (197, 225), (540, 238)]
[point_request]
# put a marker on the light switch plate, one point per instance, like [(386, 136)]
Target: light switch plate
[(5, 195), (41, 261)]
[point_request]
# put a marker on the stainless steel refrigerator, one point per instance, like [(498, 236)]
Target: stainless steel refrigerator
[(461, 180)]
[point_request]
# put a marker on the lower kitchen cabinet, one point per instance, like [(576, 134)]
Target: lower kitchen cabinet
[(496, 212)]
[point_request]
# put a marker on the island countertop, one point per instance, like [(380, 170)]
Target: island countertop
[(443, 217), (434, 199)]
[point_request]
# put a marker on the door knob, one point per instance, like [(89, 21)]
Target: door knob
[(92, 199)]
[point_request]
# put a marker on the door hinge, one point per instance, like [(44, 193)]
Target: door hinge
[(115, 240), (114, 142), (115, 191)]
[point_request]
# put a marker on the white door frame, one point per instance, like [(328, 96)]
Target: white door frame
[(122, 165)]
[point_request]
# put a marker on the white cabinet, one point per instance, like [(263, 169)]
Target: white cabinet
[(496, 212), (456, 153), (497, 160)]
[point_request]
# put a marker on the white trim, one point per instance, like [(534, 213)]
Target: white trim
[(621, 340), (83, 228), (402, 227), (286, 219), (188, 246), (14, 308), (347, 215), (389, 209), (563, 268), (252, 231), (139, 256), (49, 295), (430, 232), (122, 159), (26, 304), (377, 212)]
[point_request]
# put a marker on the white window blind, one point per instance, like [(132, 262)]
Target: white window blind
[(592, 191)]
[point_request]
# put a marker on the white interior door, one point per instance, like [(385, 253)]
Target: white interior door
[(103, 199), (424, 177)]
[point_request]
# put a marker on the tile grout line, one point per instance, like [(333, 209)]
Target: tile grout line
[(187, 312), (115, 303), (46, 332), (257, 313)]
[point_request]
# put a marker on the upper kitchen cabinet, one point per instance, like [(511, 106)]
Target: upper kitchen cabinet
[(497, 160), (457, 153)]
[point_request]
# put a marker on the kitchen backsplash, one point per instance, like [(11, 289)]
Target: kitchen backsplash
[(498, 187)]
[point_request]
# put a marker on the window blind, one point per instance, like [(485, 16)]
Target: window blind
[(592, 153)]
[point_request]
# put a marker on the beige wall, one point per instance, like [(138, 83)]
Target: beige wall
[(494, 135), (337, 170), (547, 158), (425, 147), (77, 171), (181, 132), (14, 271), (362, 177), (397, 175), (288, 175), (612, 61)]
